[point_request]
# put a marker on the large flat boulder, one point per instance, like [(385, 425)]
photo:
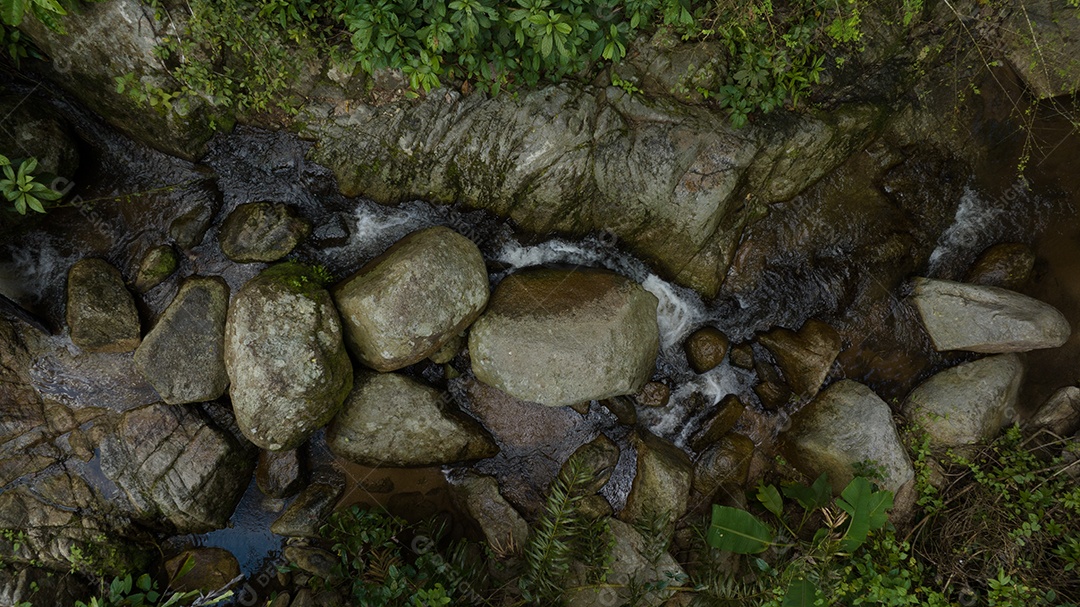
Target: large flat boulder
[(967, 403), (979, 318), (845, 428), (404, 305), (285, 357), (183, 355), (560, 337), (390, 419)]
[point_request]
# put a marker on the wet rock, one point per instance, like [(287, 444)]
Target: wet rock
[(960, 316), (390, 419), (315, 561), (334, 232), (654, 394), (622, 408), (726, 463), (844, 427), (594, 507), (559, 337), (1060, 414), (503, 527), (211, 569), (32, 128), (633, 565), (706, 348), (187, 230), (285, 358), (173, 464), (100, 311), (86, 68), (773, 392), (598, 456), (1006, 265), (308, 511), (183, 355), (719, 423), (1042, 42), (402, 306), (967, 403), (279, 473), (262, 231), (448, 351), (661, 486), (805, 357), (158, 264), (742, 356)]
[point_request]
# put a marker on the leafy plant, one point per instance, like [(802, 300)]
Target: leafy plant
[(20, 187), (142, 592), (48, 12)]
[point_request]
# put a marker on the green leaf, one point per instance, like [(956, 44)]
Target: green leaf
[(144, 582), (738, 531), (867, 508), (770, 498), (813, 497), (34, 203), (11, 11), (800, 593), (52, 6)]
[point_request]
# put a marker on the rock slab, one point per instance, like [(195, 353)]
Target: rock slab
[(100, 311), (404, 305), (560, 337), (285, 357), (183, 355), (978, 318), (390, 419)]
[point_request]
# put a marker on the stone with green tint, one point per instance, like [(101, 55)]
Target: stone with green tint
[(158, 264), (100, 311), (262, 231)]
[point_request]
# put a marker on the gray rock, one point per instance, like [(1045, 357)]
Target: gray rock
[(314, 561), (661, 486), (285, 358), (87, 69), (188, 229), (706, 348), (968, 403), (37, 586), (100, 311), (633, 565), (308, 511), (1060, 414), (32, 128), (183, 355), (402, 306), (1007, 265), (599, 456), (173, 464), (845, 427), (1041, 40), (805, 357), (726, 463), (559, 337), (978, 318), (503, 527), (279, 473), (390, 419), (158, 264), (334, 232), (262, 231)]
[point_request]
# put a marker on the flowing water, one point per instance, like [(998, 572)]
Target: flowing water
[(130, 194)]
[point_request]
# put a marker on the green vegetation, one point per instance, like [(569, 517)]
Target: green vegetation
[(143, 592), (21, 189)]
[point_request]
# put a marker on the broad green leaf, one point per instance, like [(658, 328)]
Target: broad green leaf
[(867, 508), (770, 498), (800, 593), (813, 497), (52, 6), (144, 582), (738, 531), (11, 11), (4, 159), (35, 204)]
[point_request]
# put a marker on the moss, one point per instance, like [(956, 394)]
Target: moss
[(299, 278)]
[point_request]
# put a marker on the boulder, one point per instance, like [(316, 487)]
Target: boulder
[(503, 527), (262, 231), (1007, 265), (634, 565), (32, 128), (285, 357), (598, 456), (967, 403), (188, 229), (158, 264), (661, 488), (844, 428), (183, 355), (726, 463), (559, 337), (393, 420), (718, 423), (174, 464), (308, 511), (806, 357), (742, 356), (706, 348), (316, 562), (404, 305), (978, 318), (1060, 414), (100, 311), (279, 473), (211, 569), (1041, 40)]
